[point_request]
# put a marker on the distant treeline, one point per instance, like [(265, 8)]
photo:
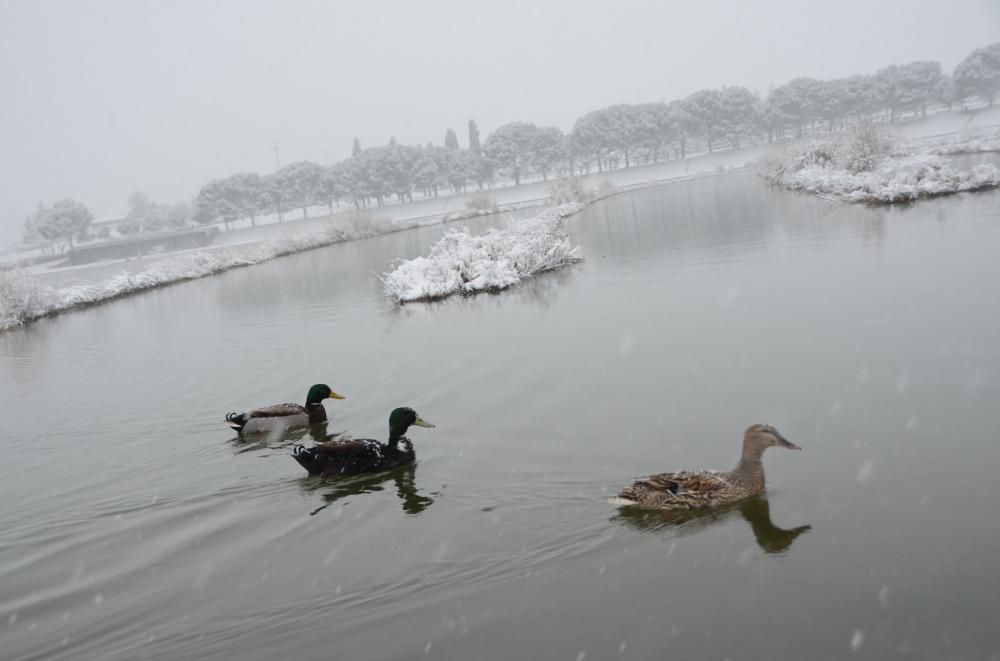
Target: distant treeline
[(606, 139)]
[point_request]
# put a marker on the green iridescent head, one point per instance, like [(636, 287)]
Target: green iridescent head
[(402, 419), (319, 392)]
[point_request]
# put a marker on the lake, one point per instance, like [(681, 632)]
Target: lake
[(134, 525)]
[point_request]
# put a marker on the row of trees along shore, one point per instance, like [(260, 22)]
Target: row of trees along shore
[(622, 135)]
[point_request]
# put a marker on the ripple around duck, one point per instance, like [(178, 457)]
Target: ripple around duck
[(573, 537)]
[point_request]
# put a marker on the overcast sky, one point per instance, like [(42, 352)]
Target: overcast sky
[(102, 98)]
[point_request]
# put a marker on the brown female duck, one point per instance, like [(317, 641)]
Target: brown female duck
[(686, 490)]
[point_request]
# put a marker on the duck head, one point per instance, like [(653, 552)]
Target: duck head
[(402, 419), (319, 392), (761, 437)]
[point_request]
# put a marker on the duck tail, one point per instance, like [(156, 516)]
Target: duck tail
[(237, 420), (306, 458)]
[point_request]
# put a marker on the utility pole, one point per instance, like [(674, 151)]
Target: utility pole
[(277, 161)]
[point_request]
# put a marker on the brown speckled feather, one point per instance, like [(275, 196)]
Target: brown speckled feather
[(679, 490)]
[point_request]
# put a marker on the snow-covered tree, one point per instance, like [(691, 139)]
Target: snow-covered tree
[(546, 150), (909, 86), (739, 114), (138, 205), (794, 104), (65, 220), (474, 145), (979, 73), (510, 146), (356, 149), (450, 139), (705, 106), (178, 215), (300, 182)]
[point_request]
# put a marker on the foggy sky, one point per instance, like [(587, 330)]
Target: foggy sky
[(102, 98)]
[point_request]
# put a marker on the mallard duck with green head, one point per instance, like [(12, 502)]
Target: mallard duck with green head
[(688, 490), (363, 455), (284, 417)]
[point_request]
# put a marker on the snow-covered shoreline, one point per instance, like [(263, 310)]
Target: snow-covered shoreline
[(860, 167), (23, 299), (499, 258)]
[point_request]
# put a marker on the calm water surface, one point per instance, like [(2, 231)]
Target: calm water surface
[(133, 525)]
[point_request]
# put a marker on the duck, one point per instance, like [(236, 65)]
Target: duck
[(283, 417), (688, 490), (363, 455)]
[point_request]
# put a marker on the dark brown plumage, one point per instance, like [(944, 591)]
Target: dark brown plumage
[(365, 455)]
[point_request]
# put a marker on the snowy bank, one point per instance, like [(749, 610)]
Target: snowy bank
[(860, 167), (970, 146), (462, 263), (24, 299)]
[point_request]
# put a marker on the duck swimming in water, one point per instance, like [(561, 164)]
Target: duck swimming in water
[(686, 490), (284, 417), (363, 455)]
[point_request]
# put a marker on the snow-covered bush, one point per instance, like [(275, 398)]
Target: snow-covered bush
[(859, 166), (21, 296), (859, 147), (357, 224), (566, 190), (463, 263), (606, 189), (480, 201)]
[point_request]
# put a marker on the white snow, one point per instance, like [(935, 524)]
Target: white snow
[(462, 263), (840, 171), (23, 299), (949, 145)]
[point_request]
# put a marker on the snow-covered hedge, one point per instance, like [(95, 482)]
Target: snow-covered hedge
[(462, 263)]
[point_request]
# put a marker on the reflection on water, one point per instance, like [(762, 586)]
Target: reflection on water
[(282, 438), (332, 489), (756, 511)]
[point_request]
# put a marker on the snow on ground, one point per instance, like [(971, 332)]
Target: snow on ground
[(462, 263), (860, 166), (23, 298), (972, 146)]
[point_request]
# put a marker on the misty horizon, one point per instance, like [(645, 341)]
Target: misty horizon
[(165, 98)]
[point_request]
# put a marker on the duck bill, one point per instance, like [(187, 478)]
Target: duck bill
[(420, 422), (785, 443), (334, 395)]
